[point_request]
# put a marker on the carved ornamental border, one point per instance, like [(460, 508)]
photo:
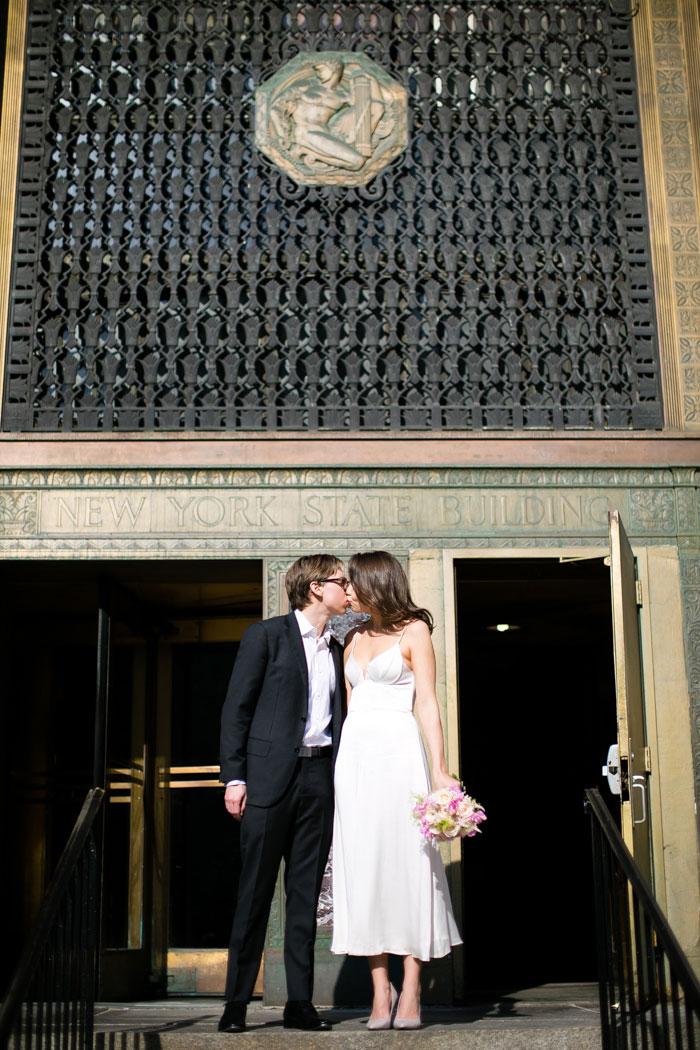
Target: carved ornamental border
[(221, 513), (667, 44)]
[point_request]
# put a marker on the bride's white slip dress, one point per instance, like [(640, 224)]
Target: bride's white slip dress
[(389, 886)]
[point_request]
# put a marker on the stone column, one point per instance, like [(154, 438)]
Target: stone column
[(426, 575)]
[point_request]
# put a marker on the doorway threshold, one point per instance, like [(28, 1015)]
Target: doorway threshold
[(577, 991)]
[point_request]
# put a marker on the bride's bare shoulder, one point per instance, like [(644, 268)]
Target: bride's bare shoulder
[(416, 629)]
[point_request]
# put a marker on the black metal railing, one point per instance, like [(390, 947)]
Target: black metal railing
[(649, 994), (51, 999)]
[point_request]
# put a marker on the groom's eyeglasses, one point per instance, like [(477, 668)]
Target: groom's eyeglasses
[(340, 580)]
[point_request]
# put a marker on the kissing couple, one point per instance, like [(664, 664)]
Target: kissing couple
[(320, 744)]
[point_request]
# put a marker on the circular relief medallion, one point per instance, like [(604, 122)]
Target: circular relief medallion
[(331, 118)]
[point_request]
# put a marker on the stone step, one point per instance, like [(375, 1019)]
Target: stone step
[(505, 1024)]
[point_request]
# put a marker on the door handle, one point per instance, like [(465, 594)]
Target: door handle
[(639, 782)]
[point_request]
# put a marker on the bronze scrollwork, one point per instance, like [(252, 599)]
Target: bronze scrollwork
[(165, 275)]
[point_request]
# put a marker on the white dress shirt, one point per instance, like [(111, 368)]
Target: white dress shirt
[(319, 664), (321, 672)]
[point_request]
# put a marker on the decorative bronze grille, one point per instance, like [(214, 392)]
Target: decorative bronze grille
[(168, 276)]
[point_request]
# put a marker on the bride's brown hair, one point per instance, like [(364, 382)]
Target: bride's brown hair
[(381, 584)]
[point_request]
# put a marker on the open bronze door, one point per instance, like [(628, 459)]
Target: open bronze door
[(128, 632), (631, 733)]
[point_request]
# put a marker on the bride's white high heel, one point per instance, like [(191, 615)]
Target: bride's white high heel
[(380, 1023), (407, 1022)]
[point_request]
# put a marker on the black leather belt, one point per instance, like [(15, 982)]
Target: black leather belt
[(314, 752)]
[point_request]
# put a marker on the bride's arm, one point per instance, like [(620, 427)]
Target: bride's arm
[(422, 660)]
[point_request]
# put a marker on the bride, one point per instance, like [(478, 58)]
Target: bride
[(390, 892)]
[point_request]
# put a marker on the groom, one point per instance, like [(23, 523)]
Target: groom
[(280, 727)]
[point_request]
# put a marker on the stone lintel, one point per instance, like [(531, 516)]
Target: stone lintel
[(173, 451)]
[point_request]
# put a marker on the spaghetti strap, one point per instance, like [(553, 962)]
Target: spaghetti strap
[(404, 628), (354, 639)]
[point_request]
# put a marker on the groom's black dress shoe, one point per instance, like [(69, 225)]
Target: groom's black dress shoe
[(300, 1013), (233, 1017)]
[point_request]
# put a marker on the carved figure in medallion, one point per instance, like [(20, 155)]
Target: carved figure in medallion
[(331, 117)]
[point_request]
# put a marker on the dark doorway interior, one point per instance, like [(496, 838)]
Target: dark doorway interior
[(204, 841), (537, 713), (48, 646)]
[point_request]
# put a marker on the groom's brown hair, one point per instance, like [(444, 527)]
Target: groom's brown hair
[(304, 572)]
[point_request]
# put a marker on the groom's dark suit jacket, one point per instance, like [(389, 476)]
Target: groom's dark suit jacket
[(263, 718)]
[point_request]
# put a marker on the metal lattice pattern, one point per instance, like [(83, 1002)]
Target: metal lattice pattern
[(167, 276)]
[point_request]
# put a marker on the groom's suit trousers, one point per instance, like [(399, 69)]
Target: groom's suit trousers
[(298, 829)]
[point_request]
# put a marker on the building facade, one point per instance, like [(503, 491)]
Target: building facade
[(438, 293)]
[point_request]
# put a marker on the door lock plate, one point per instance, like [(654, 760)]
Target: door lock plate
[(611, 769)]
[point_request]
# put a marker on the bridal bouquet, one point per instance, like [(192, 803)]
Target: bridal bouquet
[(446, 814)]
